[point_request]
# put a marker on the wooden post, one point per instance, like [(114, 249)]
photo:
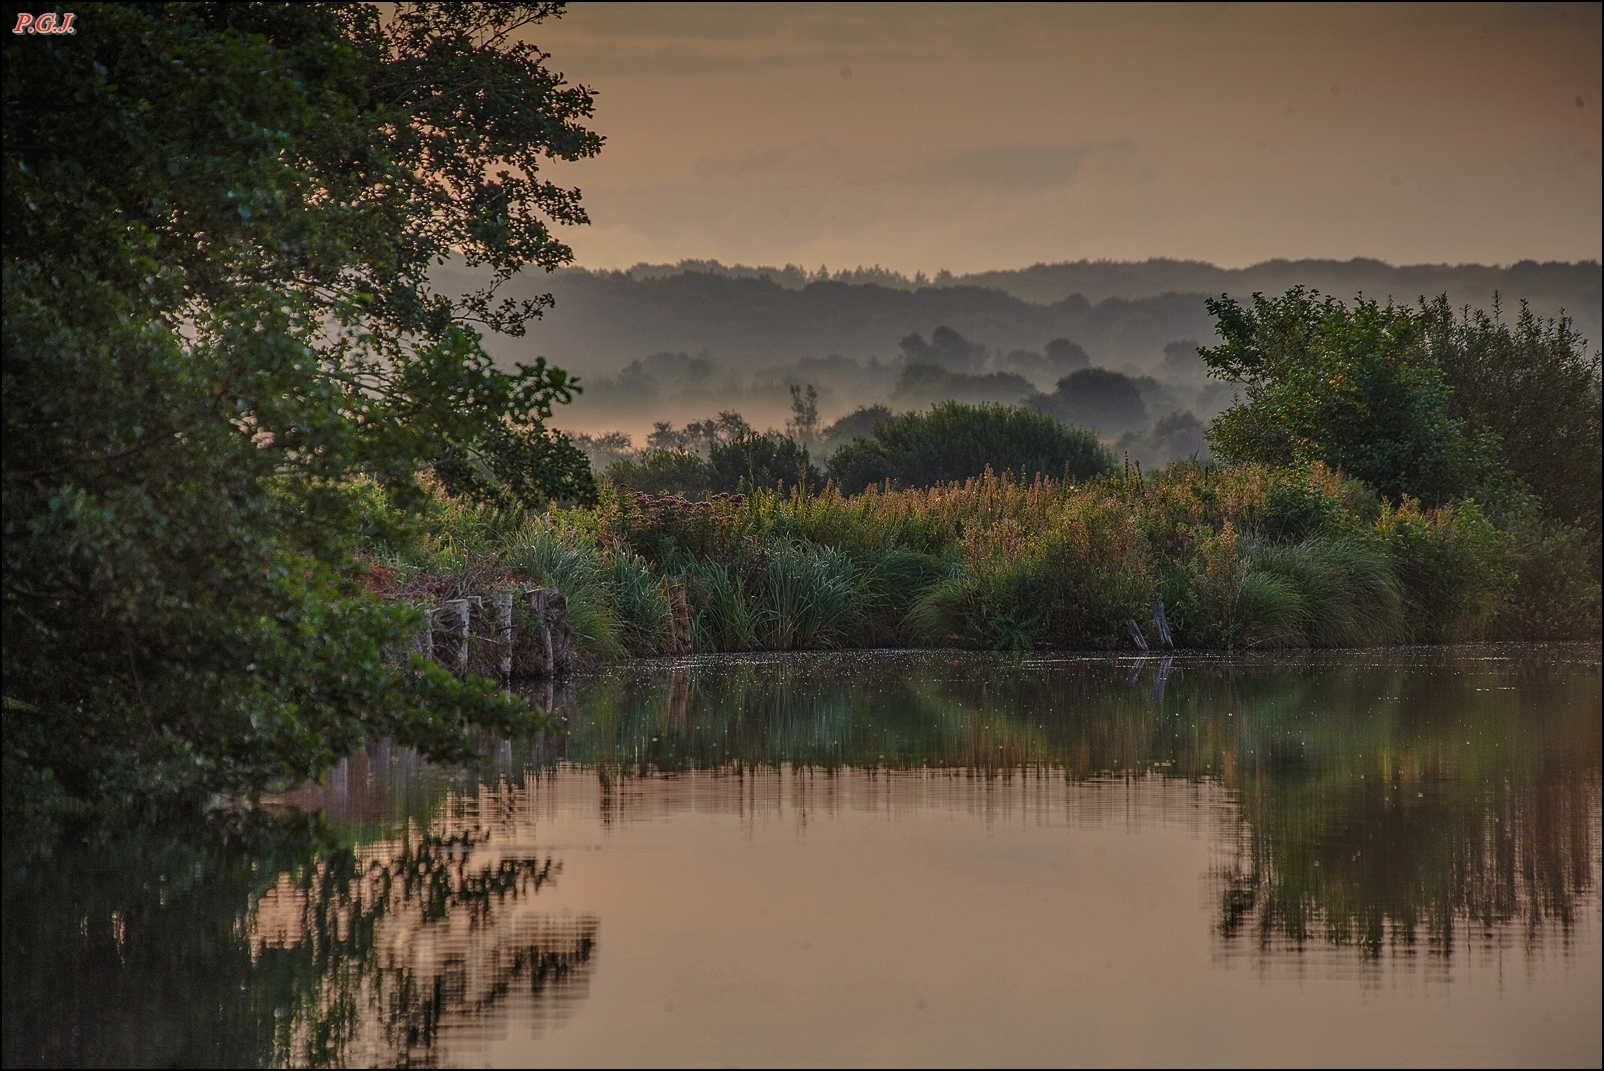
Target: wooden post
[(426, 643), (543, 653), (679, 619), (1162, 623), (504, 630), (1136, 633), (464, 623)]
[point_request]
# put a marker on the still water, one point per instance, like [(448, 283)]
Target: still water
[(1383, 857)]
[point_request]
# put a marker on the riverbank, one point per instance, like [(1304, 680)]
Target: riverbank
[(1247, 557)]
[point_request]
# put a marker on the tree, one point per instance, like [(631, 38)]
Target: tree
[(804, 423), (1536, 387), (952, 442), (1109, 402), (220, 345), (1355, 387), (946, 348)]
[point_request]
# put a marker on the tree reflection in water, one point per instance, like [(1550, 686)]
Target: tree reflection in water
[(250, 941), (1382, 798), (1382, 802)]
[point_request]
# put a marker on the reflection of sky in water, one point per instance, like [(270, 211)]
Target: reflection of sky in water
[(917, 858)]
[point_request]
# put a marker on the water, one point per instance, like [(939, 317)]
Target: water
[(1376, 857)]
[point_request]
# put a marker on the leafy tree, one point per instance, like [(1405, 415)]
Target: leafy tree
[(1535, 385), (860, 421), (220, 342), (1096, 398), (953, 442), (1355, 387), (946, 348)]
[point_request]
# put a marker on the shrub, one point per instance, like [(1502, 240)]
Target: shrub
[(1537, 388), (1452, 565), (752, 462), (1556, 593), (664, 472), (1355, 388), (951, 442)]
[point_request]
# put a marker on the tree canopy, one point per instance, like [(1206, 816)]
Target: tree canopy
[(221, 344), (951, 442), (1357, 388)]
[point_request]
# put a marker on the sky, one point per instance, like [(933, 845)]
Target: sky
[(922, 137)]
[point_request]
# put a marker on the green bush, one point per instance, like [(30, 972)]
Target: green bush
[(952, 442), (1452, 565), (664, 472), (1537, 388), (753, 462), (1356, 388), (1556, 594)]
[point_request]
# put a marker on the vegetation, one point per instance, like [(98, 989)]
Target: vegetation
[(1247, 557), (953, 441), (1108, 402), (220, 343)]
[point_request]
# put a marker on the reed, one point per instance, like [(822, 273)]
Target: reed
[(1250, 556)]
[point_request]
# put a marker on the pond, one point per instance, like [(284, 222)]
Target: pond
[(881, 858)]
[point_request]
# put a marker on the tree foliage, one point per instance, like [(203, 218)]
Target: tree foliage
[(1536, 387), (1357, 388), (952, 441), (219, 337)]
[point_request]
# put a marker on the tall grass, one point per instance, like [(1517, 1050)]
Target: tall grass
[(1342, 594), (1242, 557)]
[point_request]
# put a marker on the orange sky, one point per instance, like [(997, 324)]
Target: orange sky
[(922, 137)]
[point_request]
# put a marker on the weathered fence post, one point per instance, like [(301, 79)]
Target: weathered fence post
[(464, 623), (1136, 633), (538, 606), (426, 642), (504, 630), (1162, 623)]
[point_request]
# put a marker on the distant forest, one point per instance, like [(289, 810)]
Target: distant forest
[(745, 335)]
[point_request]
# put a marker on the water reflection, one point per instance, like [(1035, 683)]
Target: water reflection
[(1386, 807), (1385, 801), (246, 941)]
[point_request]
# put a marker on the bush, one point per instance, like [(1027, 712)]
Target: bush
[(1452, 566), (751, 462), (1357, 389), (1537, 388), (1556, 593), (664, 472), (951, 442)]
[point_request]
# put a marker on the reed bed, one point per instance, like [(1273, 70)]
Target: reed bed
[(1244, 557)]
